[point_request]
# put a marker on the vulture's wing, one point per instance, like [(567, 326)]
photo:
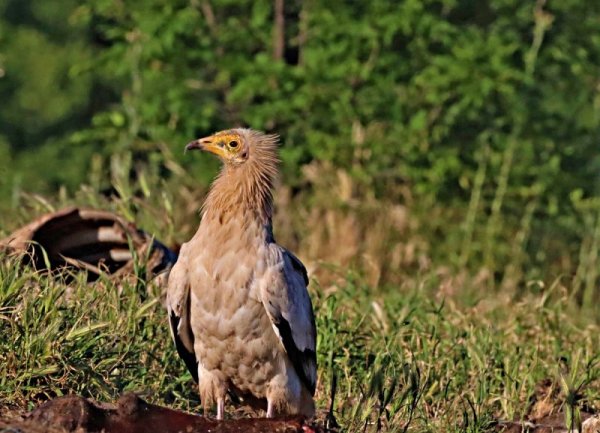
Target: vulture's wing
[(285, 297), (178, 306)]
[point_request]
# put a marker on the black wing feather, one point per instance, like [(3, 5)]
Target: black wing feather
[(304, 361), (298, 266), (188, 357), (300, 359)]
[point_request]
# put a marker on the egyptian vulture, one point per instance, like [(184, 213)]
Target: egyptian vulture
[(239, 309)]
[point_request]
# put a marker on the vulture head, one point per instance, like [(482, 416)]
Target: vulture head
[(237, 146), (250, 165)]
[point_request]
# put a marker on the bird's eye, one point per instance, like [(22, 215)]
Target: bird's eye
[(233, 144)]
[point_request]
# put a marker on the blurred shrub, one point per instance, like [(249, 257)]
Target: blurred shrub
[(483, 117)]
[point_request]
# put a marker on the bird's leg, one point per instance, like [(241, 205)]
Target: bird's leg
[(220, 408), (270, 410), (205, 407)]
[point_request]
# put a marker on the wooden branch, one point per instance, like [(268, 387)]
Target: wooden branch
[(302, 32), (279, 30)]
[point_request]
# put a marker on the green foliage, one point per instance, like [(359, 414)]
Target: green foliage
[(485, 114), (446, 145), (62, 338)]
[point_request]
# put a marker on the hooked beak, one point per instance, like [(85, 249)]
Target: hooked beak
[(207, 144), (200, 144)]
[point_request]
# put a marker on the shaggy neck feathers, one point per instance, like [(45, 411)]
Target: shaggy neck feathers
[(246, 187)]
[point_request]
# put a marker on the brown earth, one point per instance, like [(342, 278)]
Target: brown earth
[(131, 414), (74, 414)]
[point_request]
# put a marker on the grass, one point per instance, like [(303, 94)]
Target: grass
[(404, 358), (413, 344)]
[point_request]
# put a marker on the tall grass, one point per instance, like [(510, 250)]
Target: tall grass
[(405, 359)]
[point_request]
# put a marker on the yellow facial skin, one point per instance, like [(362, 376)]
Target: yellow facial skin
[(223, 144)]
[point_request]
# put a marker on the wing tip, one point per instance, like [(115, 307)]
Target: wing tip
[(304, 361), (189, 358)]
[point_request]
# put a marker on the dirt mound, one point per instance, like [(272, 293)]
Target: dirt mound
[(134, 415)]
